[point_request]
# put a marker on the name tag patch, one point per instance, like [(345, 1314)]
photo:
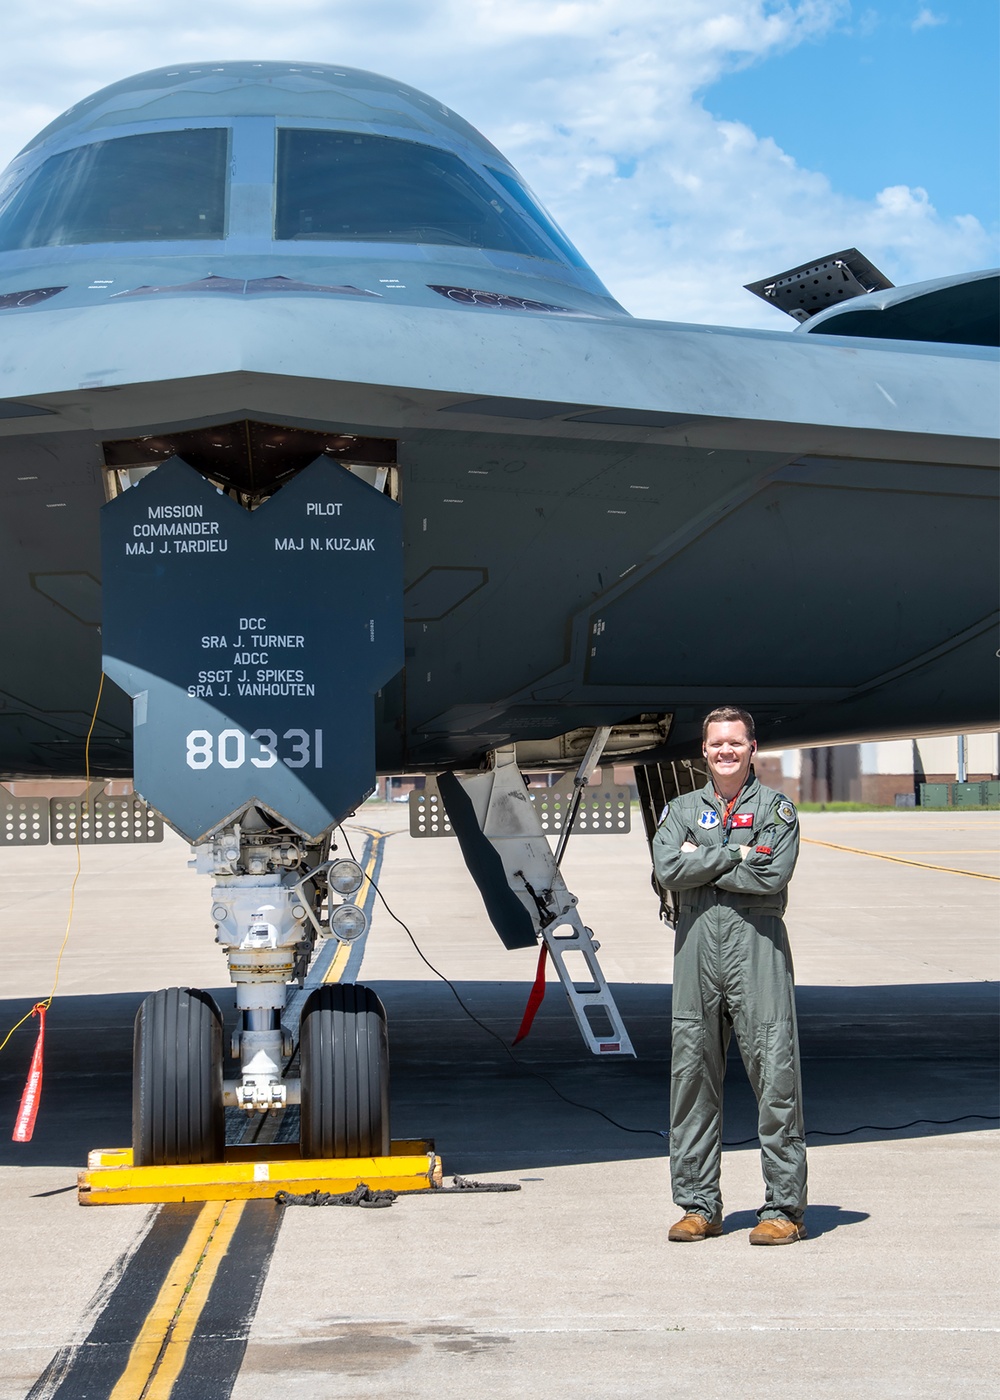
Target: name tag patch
[(708, 819), (743, 819)]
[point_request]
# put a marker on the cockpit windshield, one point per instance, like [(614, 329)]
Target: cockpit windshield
[(156, 186), (338, 185)]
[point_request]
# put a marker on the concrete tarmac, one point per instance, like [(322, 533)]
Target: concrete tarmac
[(567, 1288)]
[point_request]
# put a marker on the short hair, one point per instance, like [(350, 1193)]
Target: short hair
[(729, 714)]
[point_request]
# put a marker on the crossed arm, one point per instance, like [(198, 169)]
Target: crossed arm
[(682, 864)]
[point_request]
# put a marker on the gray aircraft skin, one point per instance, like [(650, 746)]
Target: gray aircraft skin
[(602, 517)]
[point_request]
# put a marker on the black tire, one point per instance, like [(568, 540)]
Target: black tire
[(177, 1109), (344, 1047)]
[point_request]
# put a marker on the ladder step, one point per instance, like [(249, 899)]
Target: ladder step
[(614, 1038)]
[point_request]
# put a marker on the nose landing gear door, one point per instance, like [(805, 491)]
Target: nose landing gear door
[(252, 643)]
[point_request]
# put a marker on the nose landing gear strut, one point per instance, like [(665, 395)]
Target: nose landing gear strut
[(268, 922)]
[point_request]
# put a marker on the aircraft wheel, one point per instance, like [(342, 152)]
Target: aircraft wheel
[(177, 1109), (344, 1047)]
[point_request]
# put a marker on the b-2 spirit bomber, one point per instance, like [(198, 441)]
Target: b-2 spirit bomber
[(322, 440)]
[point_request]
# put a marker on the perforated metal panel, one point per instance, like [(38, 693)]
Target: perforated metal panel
[(103, 821), (24, 821), (427, 814), (604, 811)]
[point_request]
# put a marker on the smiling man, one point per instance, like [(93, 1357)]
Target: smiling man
[(728, 852)]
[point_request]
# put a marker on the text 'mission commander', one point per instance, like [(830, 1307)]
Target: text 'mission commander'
[(728, 852)]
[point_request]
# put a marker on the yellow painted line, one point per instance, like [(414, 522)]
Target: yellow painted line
[(153, 1334), (881, 855), (336, 969), (192, 1304)]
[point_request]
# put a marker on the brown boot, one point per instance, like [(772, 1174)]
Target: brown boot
[(693, 1227), (777, 1232)]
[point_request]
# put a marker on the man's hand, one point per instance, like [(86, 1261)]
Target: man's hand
[(689, 846), (747, 851)]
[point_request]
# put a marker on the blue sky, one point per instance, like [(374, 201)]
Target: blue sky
[(687, 146), (895, 93)]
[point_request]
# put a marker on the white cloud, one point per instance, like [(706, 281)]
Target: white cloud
[(927, 19), (596, 101)]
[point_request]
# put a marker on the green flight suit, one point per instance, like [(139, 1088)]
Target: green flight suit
[(732, 971)]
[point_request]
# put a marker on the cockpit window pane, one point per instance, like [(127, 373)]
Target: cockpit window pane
[(338, 185), (160, 185), (529, 203)]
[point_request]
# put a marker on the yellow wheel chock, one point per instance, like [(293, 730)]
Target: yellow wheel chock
[(254, 1173)]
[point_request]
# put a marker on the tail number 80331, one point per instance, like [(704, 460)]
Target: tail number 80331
[(301, 748)]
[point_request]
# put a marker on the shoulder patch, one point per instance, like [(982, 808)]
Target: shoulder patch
[(708, 819), (785, 812), (663, 814)]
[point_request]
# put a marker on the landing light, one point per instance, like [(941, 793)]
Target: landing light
[(345, 876), (348, 922)]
